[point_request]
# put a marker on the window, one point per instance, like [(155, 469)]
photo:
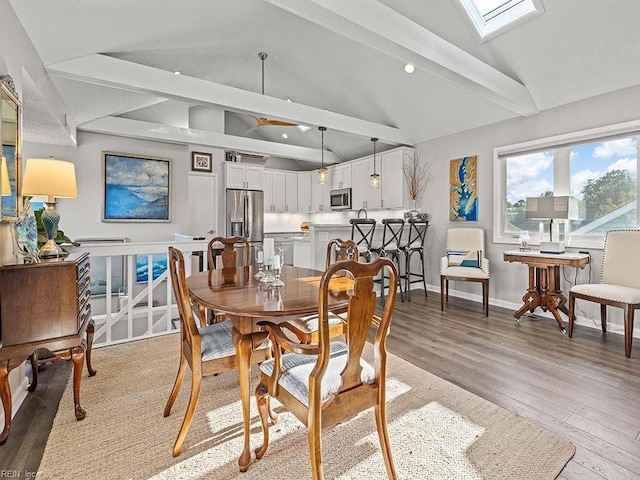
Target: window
[(493, 17), (599, 168)]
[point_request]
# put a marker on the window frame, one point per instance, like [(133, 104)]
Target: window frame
[(521, 12), (556, 142)]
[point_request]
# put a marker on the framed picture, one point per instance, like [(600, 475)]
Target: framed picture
[(201, 162), (136, 188), (463, 189)]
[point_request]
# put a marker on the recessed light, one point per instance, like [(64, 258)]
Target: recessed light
[(284, 135), (409, 68), (177, 72)]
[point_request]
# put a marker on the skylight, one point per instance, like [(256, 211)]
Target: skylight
[(493, 17)]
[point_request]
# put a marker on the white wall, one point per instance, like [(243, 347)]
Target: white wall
[(509, 281)]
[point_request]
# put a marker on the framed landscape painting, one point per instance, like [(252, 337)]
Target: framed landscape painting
[(136, 188), (463, 189)]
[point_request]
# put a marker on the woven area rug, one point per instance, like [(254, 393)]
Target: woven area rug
[(437, 430)]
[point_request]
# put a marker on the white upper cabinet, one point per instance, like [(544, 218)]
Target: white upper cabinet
[(244, 176), (320, 193), (291, 192), (341, 176), (392, 184), (362, 195), (304, 191), (274, 190)]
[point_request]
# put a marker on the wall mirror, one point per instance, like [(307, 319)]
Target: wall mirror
[(10, 123)]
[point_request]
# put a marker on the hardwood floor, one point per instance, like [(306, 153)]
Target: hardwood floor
[(583, 389)]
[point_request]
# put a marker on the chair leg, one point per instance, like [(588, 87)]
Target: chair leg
[(603, 317), (262, 399), (383, 435), (424, 280), (196, 383), (628, 329), (572, 305), (485, 297), (396, 258), (441, 293), (176, 385), (315, 446)]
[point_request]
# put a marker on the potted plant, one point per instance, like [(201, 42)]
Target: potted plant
[(417, 176)]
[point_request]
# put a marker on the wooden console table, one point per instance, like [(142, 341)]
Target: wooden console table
[(544, 280), (44, 306)]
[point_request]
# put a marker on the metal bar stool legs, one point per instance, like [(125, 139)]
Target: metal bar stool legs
[(409, 274)]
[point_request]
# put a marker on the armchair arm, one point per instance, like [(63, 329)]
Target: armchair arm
[(279, 337), (485, 266), (444, 263)]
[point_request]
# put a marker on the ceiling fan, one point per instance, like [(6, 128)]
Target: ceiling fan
[(264, 121)]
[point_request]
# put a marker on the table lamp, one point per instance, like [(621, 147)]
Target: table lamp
[(550, 208), (54, 179), (6, 184)]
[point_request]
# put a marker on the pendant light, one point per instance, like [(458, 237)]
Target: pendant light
[(322, 171), (375, 178)]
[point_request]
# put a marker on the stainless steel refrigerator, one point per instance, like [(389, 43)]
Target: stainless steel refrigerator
[(245, 217)]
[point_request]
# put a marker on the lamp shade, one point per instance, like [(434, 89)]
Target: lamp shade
[(561, 207), (50, 177), (6, 184)]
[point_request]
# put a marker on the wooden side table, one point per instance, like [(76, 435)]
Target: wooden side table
[(45, 306), (544, 280)]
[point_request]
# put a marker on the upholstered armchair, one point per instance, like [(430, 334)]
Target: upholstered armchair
[(619, 282), (465, 262)]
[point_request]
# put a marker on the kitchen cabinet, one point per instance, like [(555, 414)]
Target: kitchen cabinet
[(304, 192), (320, 193), (341, 176), (246, 176), (291, 192), (285, 241), (362, 195), (273, 182), (392, 184)]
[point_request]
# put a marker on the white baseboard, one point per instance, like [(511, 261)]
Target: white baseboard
[(580, 320)]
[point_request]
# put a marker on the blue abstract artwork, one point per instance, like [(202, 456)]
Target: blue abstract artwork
[(158, 267), (136, 188), (463, 190)]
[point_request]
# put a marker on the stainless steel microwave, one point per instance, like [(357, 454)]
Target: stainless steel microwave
[(341, 199)]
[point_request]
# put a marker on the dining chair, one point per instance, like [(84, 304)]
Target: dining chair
[(464, 262), (206, 350), (306, 328), (329, 382), (362, 231), (619, 282), (390, 247), (415, 244), (229, 256)]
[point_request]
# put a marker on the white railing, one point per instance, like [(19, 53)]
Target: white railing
[(137, 309)]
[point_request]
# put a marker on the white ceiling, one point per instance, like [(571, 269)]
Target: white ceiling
[(351, 65)]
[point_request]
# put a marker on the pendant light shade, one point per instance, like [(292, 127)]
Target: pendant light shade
[(375, 178), (322, 171)]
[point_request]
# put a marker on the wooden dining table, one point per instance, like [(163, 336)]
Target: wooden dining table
[(245, 301)]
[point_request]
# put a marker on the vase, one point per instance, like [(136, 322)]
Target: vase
[(414, 212)]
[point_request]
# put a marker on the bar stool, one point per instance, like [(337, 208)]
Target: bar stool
[(417, 234), (362, 230), (390, 248)]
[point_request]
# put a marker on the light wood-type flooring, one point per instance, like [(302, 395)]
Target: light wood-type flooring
[(583, 389)]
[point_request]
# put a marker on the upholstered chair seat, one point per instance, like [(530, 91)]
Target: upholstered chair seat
[(619, 282)]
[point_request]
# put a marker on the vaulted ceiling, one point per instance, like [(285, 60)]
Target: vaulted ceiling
[(340, 63)]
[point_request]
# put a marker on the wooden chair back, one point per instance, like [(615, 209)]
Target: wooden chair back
[(339, 249), (229, 252), (188, 327)]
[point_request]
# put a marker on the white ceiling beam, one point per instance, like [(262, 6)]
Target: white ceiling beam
[(112, 72), (125, 127), (377, 26)]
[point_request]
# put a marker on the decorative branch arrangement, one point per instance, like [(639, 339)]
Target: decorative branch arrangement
[(417, 175)]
